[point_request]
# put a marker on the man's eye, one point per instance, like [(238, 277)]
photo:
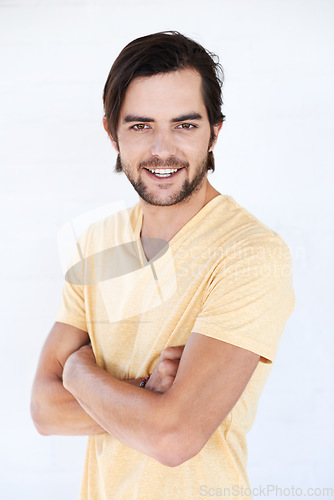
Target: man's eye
[(186, 126), (139, 126)]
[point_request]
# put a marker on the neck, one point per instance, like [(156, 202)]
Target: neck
[(165, 222)]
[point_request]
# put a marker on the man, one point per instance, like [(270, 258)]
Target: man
[(182, 297)]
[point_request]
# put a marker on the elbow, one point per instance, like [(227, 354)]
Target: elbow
[(175, 437), (175, 448), (42, 430), (38, 419)]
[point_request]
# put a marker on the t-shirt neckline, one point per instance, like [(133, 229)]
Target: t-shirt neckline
[(194, 220)]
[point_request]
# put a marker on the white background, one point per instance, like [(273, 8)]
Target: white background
[(275, 157)]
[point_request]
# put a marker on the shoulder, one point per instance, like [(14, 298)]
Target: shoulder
[(231, 215), (231, 231)]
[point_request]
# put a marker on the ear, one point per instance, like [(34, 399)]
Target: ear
[(113, 141), (216, 130)]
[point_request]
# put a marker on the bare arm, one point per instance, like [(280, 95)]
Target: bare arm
[(53, 408), (173, 426)]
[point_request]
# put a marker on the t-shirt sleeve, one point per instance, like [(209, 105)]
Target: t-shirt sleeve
[(72, 310), (250, 297), (72, 306)]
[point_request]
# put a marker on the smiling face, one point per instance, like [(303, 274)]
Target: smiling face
[(163, 137)]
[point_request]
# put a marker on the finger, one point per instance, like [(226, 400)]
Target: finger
[(168, 382), (174, 352), (168, 367)]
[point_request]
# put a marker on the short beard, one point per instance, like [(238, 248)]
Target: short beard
[(188, 188)]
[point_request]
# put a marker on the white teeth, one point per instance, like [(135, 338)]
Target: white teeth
[(163, 170)]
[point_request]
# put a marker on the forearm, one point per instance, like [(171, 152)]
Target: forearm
[(55, 411), (133, 415)]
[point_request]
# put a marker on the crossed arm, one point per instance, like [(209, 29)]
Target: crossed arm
[(189, 394)]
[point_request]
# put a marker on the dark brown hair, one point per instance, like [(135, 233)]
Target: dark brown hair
[(162, 53)]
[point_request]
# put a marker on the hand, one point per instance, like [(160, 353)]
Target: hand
[(164, 373), (86, 354), (83, 356)]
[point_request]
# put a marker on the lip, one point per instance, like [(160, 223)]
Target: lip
[(164, 179)]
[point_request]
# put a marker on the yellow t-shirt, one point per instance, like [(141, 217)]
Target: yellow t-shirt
[(225, 275)]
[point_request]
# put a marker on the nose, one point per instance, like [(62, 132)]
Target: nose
[(163, 144)]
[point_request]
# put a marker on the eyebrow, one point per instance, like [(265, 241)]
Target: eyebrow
[(146, 119), (188, 116)]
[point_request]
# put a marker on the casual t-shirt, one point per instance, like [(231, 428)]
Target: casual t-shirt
[(225, 275)]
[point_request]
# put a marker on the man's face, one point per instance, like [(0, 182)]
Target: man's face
[(163, 136)]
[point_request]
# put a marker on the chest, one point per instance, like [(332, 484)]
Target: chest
[(134, 316)]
